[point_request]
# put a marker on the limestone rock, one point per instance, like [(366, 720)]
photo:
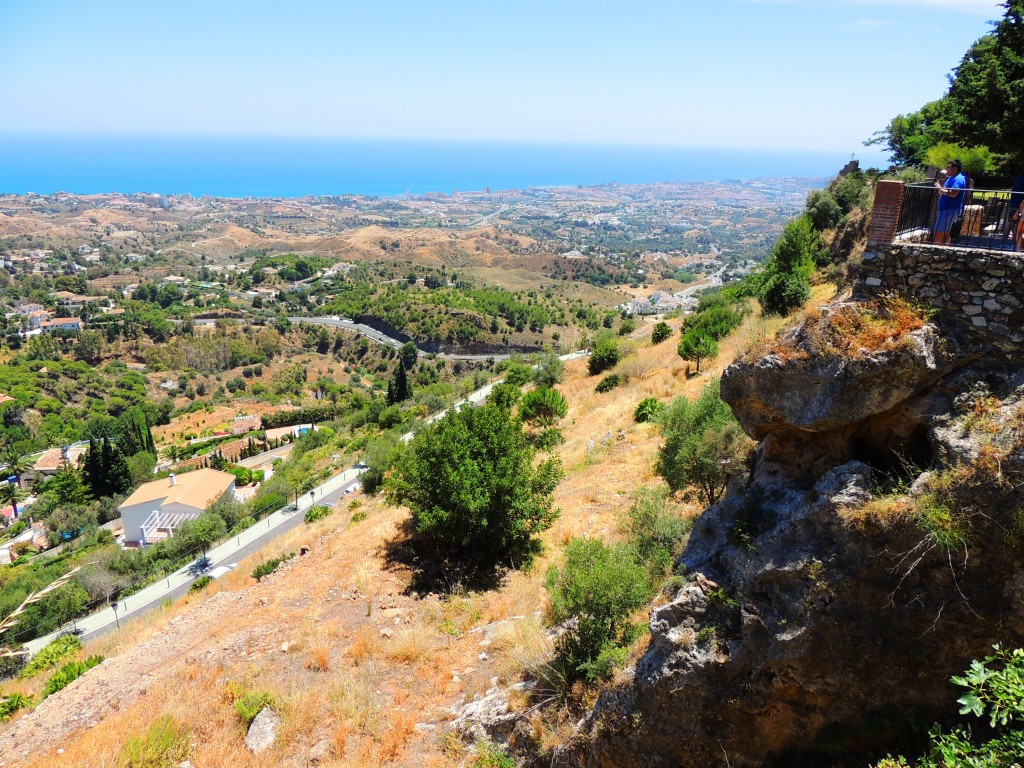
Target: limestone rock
[(263, 730), (488, 718)]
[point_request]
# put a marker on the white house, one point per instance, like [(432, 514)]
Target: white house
[(155, 509), (61, 324)]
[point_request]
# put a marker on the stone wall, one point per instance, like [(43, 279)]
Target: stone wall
[(981, 291)]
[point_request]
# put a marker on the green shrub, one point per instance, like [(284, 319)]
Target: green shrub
[(654, 528), (548, 439), (518, 374), (200, 584), (164, 745), (660, 332), (474, 488), (317, 512), (490, 755), (605, 354), (267, 567), (248, 705), (543, 407), (67, 674), (549, 370), (594, 593), (11, 704), (608, 383), (823, 210), (53, 654), (704, 445), (648, 409), (783, 293), (358, 517)]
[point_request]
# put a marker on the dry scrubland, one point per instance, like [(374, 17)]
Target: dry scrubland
[(361, 672)]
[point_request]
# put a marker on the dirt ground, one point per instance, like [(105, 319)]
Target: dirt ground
[(363, 671)]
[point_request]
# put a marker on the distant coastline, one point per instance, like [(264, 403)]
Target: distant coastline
[(249, 167)]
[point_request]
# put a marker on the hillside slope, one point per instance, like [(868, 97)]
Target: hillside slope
[(363, 670)]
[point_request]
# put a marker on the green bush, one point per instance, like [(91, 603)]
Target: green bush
[(823, 210), (648, 409), (543, 407), (518, 374), (248, 705), (200, 584), (53, 654), (660, 332), (605, 354), (993, 692), (654, 528), (549, 370), (12, 703), (490, 755), (594, 594), (164, 745), (67, 674), (317, 512), (547, 439), (704, 445), (783, 293), (267, 567), (608, 383)]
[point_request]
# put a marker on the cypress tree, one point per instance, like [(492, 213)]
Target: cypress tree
[(398, 387)]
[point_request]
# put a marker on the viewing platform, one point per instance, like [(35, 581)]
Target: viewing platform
[(977, 282)]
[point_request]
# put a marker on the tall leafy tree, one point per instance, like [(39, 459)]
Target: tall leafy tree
[(984, 106), (474, 491), (398, 388)]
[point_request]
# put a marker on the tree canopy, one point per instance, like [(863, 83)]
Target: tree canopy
[(984, 106), (474, 492)]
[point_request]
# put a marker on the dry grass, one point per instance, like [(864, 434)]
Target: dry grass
[(319, 659), (346, 683), (364, 644), (848, 330), (410, 644)]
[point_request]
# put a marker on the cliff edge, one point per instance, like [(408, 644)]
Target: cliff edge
[(875, 552)]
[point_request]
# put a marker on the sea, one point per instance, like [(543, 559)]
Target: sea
[(293, 167)]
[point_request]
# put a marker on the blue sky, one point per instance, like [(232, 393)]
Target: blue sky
[(796, 74)]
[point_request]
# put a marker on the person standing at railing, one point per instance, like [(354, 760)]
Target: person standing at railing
[(951, 200)]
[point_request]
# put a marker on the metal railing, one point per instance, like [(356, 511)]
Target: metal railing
[(987, 218)]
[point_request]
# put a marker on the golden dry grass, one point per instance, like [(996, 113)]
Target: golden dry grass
[(341, 680)]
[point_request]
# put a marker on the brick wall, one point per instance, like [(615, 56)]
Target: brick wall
[(981, 291), (885, 213)]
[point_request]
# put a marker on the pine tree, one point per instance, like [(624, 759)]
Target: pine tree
[(398, 387)]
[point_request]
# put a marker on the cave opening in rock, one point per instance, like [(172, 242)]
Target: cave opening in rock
[(899, 451)]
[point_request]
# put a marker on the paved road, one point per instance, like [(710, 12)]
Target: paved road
[(229, 552), (235, 549), (383, 338)]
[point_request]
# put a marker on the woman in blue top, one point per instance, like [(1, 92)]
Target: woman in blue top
[(951, 201)]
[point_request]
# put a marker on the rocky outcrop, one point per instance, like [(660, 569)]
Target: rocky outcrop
[(805, 629), (262, 732)]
